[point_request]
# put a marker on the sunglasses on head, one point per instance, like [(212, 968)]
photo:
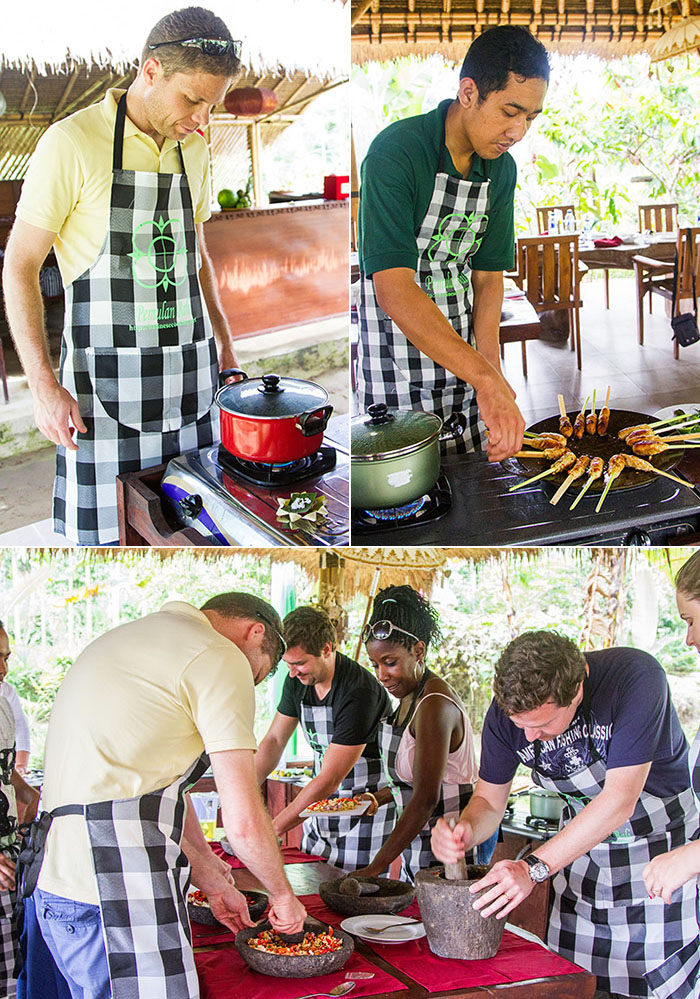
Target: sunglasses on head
[(209, 46), (280, 638), (381, 630)]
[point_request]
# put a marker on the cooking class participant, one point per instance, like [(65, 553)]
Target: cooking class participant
[(136, 721), (427, 743), (338, 704), (666, 872), (121, 191), (600, 729), (18, 802), (22, 736), (436, 233)]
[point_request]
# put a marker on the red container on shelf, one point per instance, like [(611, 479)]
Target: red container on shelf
[(335, 188)]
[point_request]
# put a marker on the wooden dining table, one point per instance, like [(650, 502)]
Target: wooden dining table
[(305, 879), (659, 246)]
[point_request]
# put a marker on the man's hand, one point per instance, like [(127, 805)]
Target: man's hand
[(287, 914), (7, 873), (230, 907), (450, 845), (503, 419), (508, 883), (56, 412), (667, 872)]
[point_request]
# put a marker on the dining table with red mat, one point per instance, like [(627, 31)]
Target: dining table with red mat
[(522, 969)]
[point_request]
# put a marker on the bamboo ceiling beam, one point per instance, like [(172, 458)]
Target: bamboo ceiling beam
[(306, 100), (66, 93)]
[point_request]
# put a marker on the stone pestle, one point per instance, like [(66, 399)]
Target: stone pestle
[(457, 871)]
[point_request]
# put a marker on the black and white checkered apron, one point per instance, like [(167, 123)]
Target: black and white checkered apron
[(602, 917), (345, 841), (138, 350), (453, 797), (390, 369), (10, 848), (679, 976)]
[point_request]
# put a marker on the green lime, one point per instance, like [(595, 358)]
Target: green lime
[(226, 199)]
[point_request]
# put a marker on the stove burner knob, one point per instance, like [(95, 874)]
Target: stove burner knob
[(191, 506), (638, 539)]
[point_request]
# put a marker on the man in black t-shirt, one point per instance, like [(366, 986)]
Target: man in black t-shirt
[(600, 730), (339, 705)]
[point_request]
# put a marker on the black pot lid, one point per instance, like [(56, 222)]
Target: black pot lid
[(391, 433), (271, 397)]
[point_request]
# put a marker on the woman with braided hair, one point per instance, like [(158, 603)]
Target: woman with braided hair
[(427, 744)]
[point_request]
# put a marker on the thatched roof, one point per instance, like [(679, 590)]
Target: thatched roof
[(388, 29), (51, 67)]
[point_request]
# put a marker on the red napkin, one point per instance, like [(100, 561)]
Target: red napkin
[(315, 907), (223, 974), (209, 936), (603, 243), (290, 855)]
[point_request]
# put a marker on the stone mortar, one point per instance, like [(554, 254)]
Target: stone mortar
[(453, 927), (294, 966), (392, 897)]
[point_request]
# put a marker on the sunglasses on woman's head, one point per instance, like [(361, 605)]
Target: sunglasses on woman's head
[(381, 630)]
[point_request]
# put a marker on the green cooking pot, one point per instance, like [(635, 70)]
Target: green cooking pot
[(395, 455)]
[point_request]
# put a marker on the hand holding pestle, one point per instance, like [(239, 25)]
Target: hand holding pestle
[(458, 871)]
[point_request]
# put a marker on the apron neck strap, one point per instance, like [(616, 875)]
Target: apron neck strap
[(119, 137), (443, 147)]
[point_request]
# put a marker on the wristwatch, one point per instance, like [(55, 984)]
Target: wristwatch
[(536, 868)]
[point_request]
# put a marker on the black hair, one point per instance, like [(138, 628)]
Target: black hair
[(500, 51), (406, 608)]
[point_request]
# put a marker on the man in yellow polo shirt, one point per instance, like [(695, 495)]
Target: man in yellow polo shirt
[(121, 190), (128, 730)]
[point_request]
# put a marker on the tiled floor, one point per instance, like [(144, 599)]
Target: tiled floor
[(641, 378)]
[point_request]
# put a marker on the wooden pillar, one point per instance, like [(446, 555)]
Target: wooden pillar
[(256, 169), (330, 590)]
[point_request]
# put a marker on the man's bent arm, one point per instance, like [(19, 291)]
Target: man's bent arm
[(420, 320), (486, 314), (55, 410)]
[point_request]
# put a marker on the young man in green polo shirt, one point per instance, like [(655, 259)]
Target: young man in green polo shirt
[(436, 234)]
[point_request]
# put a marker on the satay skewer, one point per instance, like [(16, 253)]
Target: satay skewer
[(576, 472), (604, 416), (652, 427), (536, 439), (550, 454), (564, 421), (640, 465), (580, 421), (595, 470), (616, 465), (592, 419), (654, 445), (560, 465)]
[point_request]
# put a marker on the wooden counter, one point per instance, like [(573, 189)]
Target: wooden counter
[(281, 266)]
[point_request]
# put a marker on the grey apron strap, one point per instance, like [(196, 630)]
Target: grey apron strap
[(118, 149), (31, 854)]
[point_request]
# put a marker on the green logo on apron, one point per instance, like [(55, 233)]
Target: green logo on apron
[(159, 247), (458, 234)]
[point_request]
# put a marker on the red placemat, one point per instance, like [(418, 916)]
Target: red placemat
[(209, 936), (223, 974), (290, 855), (517, 960)]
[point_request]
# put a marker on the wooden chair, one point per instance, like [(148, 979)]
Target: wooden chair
[(548, 271), (658, 218), (658, 277), (542, 223)]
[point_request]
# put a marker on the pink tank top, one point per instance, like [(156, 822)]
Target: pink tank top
[(461, 765)]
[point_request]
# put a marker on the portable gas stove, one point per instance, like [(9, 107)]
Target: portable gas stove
[(484, 512), (234, 502), (520, 823)]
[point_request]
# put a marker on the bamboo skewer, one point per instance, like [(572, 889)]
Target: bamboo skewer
[(592, 419), (611, 477), (641, 465), (575, 473), (564, 421), (559, 466), (604, 416), (580, 421)]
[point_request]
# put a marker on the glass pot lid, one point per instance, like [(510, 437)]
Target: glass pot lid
[(271, 397), (389, 433)]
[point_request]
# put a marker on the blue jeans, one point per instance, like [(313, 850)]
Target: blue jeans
[(39, 975), (72, 932), (484, 851)]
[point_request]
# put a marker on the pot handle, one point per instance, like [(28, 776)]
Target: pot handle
[(454, 426), (311, 423), (227, 372)]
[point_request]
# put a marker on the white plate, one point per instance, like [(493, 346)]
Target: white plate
[(411, 930), (692, 408), (357, 810)]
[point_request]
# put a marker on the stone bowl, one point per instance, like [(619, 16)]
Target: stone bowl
[(203, 914), (392, 897), (293, 965), (455, 929)]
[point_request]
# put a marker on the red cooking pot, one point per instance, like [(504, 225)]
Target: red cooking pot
[(271, 419)]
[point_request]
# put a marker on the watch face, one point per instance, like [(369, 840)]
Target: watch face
[(539, 871)]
